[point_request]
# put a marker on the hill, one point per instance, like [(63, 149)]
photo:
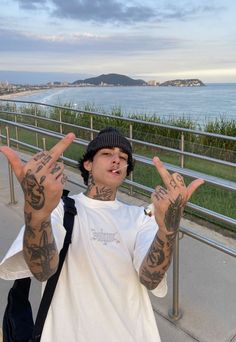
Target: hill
[(194, 82), (111, 79)]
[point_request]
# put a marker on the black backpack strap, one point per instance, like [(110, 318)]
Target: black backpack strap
[(68, 222)]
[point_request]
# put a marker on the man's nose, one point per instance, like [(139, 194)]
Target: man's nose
[(115, 158)]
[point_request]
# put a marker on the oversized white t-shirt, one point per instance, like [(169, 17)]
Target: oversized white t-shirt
[(98, 295)]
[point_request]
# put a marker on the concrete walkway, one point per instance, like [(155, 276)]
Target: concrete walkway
[(207, 276)]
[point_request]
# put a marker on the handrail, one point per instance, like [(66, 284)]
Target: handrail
[(181, 129), (227, 185), (144, 143), (174, 313)]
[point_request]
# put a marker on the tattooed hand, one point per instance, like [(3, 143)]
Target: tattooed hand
[(42, 181), (42, 177), (169, 202)]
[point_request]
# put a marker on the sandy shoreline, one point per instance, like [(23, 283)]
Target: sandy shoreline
[(12, 96)]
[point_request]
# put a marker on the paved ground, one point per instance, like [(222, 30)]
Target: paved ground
[(207, 295)]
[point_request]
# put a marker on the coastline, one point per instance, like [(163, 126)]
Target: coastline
[(12, 96)]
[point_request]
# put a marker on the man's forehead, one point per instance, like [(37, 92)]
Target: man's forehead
[(118, 149)]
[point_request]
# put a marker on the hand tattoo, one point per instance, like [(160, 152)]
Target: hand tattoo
[(39, 156), (34, 191), (55, 169), (173, 214)]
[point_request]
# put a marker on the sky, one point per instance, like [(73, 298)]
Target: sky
[(152, 39)]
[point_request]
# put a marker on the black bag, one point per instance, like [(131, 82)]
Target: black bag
[(18, 324)]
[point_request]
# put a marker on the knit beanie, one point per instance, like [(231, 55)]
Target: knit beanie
[(109, 137)]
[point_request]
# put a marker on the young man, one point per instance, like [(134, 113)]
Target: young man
[(117, 251)]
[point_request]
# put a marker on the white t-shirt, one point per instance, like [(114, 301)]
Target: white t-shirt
[(99, 296)]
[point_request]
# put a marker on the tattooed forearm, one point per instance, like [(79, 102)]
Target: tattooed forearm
[(156, 254), (157, 261), (40, 250)]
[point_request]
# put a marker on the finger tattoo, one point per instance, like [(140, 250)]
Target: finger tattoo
[(39, 156), (63, 179), (173, 183), (55, 169), (46, 159), (180, 180), (160, 193)]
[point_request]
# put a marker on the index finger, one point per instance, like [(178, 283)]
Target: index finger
[(165, 175), (61, 146)]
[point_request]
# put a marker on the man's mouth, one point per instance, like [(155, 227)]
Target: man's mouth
[(118, 170)]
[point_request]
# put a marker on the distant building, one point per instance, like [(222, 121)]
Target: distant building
[(152, 83)]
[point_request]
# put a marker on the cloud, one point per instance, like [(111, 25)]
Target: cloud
[(113, 11), (84, 43)]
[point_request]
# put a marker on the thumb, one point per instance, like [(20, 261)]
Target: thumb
[(14, 160)]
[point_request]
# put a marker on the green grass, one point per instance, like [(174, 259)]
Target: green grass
[(208, 196)]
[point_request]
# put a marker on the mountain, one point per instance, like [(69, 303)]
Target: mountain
[(194, 82), (111, 79)]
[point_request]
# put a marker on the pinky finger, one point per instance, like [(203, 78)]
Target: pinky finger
[(192, 187)]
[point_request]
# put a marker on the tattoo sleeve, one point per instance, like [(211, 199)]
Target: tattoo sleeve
[(157, 261), (40, 251)]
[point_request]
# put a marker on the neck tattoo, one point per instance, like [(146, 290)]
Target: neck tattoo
[(102, 193)]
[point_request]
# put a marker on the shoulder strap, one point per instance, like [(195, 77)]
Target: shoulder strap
[(68, 222)]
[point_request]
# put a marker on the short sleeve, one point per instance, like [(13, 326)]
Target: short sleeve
[(144, 239), (13, 265)]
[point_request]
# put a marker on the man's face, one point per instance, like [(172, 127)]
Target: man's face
[(109, 167)]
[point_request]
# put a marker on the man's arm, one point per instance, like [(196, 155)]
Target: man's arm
[(168, 204), (42, 180)]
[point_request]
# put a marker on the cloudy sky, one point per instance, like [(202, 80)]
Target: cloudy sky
[(151, 39)]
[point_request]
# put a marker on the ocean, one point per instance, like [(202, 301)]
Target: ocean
[(200, 104)]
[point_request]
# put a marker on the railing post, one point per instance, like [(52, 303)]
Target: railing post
[(44, 143), (131, 175), (182, 150), (60, 119), (36, 125), (16, 131), (91, 127), (174, 312), (10, 172), (61, 127)]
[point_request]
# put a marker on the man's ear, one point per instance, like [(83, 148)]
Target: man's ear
[(88, 165)]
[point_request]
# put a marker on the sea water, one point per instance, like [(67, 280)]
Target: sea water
[(200, 104)]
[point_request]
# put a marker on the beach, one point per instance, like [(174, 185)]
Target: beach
[(12, 96)]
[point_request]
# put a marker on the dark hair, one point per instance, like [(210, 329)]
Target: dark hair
[(107, 138)]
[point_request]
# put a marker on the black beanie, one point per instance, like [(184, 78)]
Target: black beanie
[(109, 137), (106, 138)]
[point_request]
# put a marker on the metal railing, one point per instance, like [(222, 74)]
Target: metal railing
[(174, 313)]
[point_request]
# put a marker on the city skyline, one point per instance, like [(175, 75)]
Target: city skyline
[(188, 39)]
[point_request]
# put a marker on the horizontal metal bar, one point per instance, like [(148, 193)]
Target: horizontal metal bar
[(209, 242), (144, 143), (142, 159), (188, 154), (225, 184), (206, 212), (213, 215), (181, 129)]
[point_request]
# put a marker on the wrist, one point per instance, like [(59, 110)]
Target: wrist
[(35, 215), (163, 234)]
